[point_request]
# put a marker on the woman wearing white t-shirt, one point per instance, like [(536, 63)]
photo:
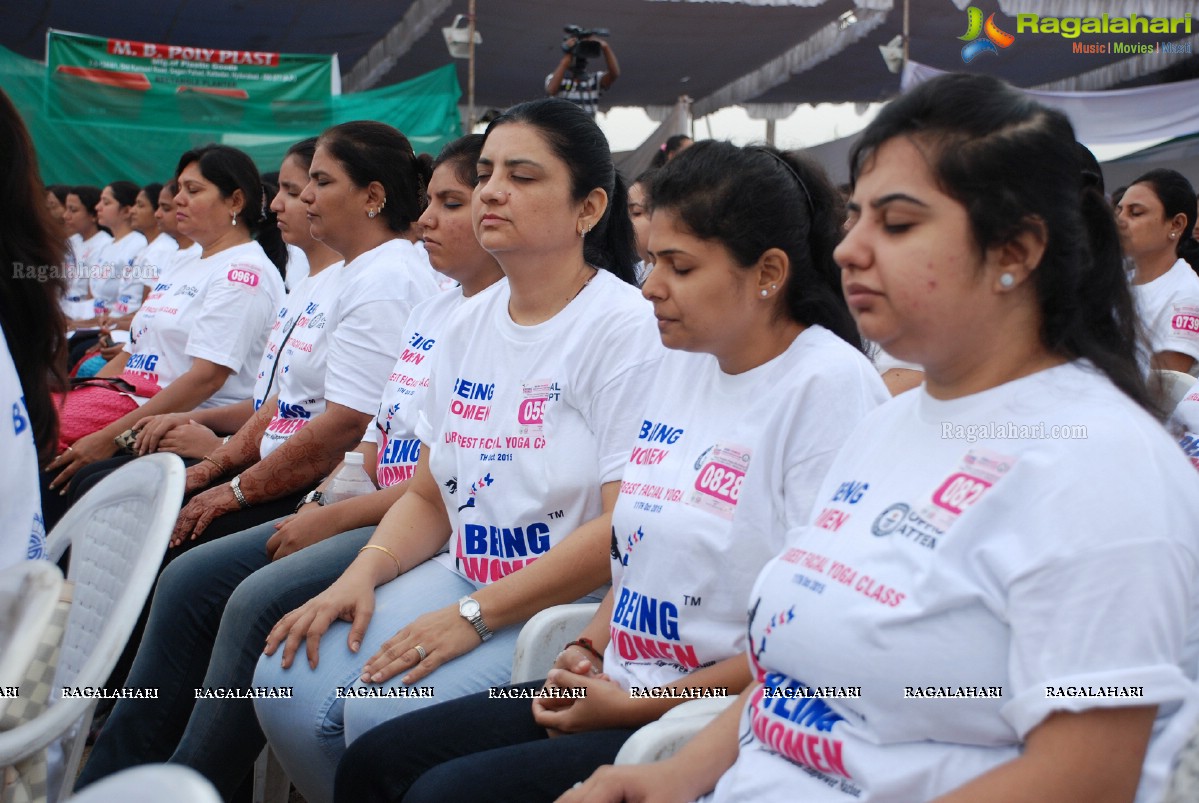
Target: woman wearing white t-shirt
[(748, 299), (79, 217), (1156, 217), (147, 264), (115, 212), (197, 338), (527, 410), (364, 197), (1007, 607), (32, 342), (187, 250), (247, 580)]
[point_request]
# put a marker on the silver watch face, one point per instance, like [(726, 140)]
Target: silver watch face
[(468, 608)]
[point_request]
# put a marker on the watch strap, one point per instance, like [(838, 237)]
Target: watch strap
[(235, 485), (476, 621)]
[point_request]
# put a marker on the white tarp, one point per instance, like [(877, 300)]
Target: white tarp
[(1159, 112)]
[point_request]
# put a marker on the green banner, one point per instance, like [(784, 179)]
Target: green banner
[(141, 140), (176, 70)]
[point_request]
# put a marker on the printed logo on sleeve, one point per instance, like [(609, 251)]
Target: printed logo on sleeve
[(1185, 321), (245, 274)]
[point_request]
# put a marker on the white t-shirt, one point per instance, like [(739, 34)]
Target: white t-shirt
[(217, 309), (84, 264), (22, 530), (77, 278), (394, 428), (1184, 424), (297, 266), (182, 258), (1169, 310), (718, 474), (312, 296), (144, 272), (115, 267), (526, 422), (970, 572), (348, 336)]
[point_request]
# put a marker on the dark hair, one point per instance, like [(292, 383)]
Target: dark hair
[(152, 191), (646, 178), (1013, 164), (172, 187), (230, 170), (60, 192), (88, 197), (303, 150), (30, 315), (576, 139), (753, 199), (463, 156), (125, 192), (372, 151), (669, 148), (1178, 198)]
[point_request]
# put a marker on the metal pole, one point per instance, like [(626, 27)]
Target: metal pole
[(906, 33), (470, 80)]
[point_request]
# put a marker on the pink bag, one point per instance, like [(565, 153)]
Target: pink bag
[(94, 403)]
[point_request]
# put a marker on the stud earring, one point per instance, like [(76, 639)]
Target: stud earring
[(774, 287), (1173, 235), (765, 293), (1007, 281), (371, 213)]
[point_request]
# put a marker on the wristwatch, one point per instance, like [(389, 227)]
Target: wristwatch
[(235, 485), (469, 608), (312, 496)]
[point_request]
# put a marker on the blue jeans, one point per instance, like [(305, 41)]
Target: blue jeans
[(211, 612), (310, 732)]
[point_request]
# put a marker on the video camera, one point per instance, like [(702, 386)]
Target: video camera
[(583, 47)]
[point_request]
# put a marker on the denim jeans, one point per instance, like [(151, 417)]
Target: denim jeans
[(211, 612), (310, 731), (472, 748)]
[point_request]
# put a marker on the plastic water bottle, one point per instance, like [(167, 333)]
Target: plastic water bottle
[(351, 480)]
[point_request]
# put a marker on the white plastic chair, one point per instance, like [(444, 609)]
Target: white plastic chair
[(1170, 387), (28, 593), (118, 534), (151, 783), (662, 739), (542, 638)]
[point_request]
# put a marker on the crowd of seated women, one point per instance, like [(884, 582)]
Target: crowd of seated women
[(975, 578)]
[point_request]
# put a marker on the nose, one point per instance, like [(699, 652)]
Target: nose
[(308, 194), (853, 252), (491, 192), (653, 288), (427, 220)]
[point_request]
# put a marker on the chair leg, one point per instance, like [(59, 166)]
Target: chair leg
[(271, 784)]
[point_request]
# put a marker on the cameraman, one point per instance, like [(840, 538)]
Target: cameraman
[(571, 80)]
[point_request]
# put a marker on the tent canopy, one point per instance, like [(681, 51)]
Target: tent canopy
[(716, 51)]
